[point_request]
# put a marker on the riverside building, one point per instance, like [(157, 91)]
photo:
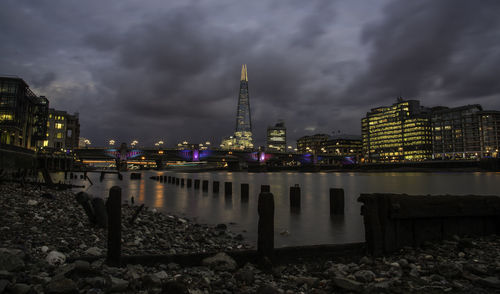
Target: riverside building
[(312, 144), (276, 137), (23, 115), (397, 133), (63, 131), (343, 145)]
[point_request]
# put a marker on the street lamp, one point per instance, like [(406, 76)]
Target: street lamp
[(87, 142), (135, 142), (111, 142)]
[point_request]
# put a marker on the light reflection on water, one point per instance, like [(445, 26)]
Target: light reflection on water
[(313, 224)]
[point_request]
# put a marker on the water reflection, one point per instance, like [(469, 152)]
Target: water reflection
[(312, 224)]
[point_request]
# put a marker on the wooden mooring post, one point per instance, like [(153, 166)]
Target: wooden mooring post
[(189, 183), (265, 235), (182, 182), (204, 186), (114, 210), (265, 188), (336, 201), (295, 196), (215, 187), (228, 188), (244, 192), (197, 184)]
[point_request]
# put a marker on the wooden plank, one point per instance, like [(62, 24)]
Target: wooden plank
[(404, 233), (407, 207), (427, 230)]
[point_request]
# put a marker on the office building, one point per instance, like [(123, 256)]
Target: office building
[(243, 130), (396, 133), (343, 145), (276, 137), (489, 122), (456, 133), (63, 131), (23, 115), (312, 144)]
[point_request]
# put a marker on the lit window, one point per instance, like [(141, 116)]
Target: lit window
[(59, 125), (59, 135)]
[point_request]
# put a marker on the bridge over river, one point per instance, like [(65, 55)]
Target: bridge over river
[(234, 159)]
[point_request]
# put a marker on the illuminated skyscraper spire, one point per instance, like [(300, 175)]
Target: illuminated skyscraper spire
[(243, 130)]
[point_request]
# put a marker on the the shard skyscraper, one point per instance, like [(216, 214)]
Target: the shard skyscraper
[(243, 130)]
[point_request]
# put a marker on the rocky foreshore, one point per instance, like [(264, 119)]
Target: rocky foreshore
[(44, 235)]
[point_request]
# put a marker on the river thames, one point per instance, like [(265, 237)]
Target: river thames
[(313, 224)]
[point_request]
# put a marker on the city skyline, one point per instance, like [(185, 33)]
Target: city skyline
[(154, 72)]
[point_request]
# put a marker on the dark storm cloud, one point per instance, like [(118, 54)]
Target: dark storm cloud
[(170, 70), (437, 51)]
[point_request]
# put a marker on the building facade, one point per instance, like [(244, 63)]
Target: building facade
[(456, 133), (23, 115), (344, 145), (276, 137), (396, 133), (243, 130), (312, 144), (63, 131), (489, 124)]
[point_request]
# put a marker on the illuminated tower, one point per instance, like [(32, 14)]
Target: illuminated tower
[(243, 131)]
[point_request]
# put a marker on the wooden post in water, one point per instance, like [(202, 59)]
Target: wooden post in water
[(204, 186), (169, 179), (177, 181), (228, 188), (265, 188), (182, 182), (295, 196), (244, 192), (114, 209), (215, 187), (265, 235), (102, 176), (161, 179), (189, 183), (336, 201), (197, 184)]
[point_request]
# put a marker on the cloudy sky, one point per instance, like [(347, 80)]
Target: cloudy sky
[(151, 70)]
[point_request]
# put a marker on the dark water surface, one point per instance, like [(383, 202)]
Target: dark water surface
[(313, 224)]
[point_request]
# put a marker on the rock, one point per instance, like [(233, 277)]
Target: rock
[(96, 282), (478, 269), (3, 285), (347, 284), (21, 289), (309, 281), (492, 282), (117, 284), (32, 202), (365, 276), (65, 270), (62, 285), (449, 269), (94, 251), (245, 275), (175, 287), (82, 266), (151, 281), (366, 260), (221, 261), (403, 263), (221, 227), (55, 258), (11, 259), (266, 289), (48, 196), (44, 249), (162, 275)]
